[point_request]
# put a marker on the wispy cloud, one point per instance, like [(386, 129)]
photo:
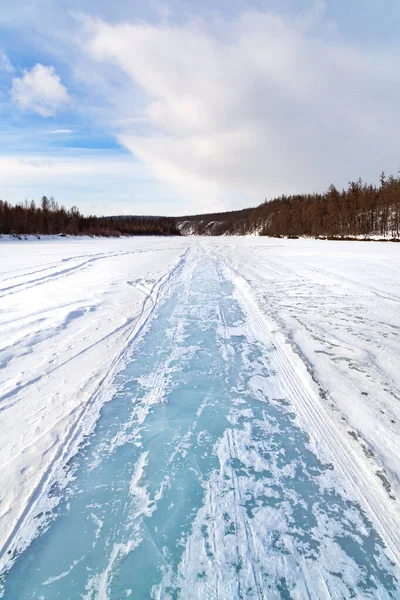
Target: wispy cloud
[(40, 90), (5, 63), (96, 181), (223, 105), (261, 105), (36, 163), (60, 166), (60, 131)]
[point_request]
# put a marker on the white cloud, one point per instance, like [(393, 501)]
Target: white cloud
[(96, 181), (260, 106), (48, 167), (60, 131), (5, 63), (40, 90)]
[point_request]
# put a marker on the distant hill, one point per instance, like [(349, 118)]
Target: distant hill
[(360, 210), (225, 223)]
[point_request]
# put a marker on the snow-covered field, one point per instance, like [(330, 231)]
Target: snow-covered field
[(241, 327)]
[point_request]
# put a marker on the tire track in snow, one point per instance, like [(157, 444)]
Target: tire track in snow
[(25, 528), (26, 285), (317, 420)]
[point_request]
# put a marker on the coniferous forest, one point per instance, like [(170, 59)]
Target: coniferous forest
[(51, 219), (360, 210)]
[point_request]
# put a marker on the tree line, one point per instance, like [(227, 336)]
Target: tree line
[(361, 209), (48, 218)]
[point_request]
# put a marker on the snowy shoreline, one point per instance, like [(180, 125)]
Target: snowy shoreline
[(67, 237)]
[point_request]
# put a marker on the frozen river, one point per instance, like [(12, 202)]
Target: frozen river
[(209, 473)]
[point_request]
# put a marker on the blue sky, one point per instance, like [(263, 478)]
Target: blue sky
[(183, 106)]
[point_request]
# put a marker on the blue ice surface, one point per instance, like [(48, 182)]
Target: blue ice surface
[(192, 486)]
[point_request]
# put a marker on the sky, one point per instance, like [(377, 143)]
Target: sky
[(187, 106)]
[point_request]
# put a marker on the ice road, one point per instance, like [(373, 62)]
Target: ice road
[(199, 418)]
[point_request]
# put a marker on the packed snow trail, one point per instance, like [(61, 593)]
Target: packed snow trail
[(198, 480)]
